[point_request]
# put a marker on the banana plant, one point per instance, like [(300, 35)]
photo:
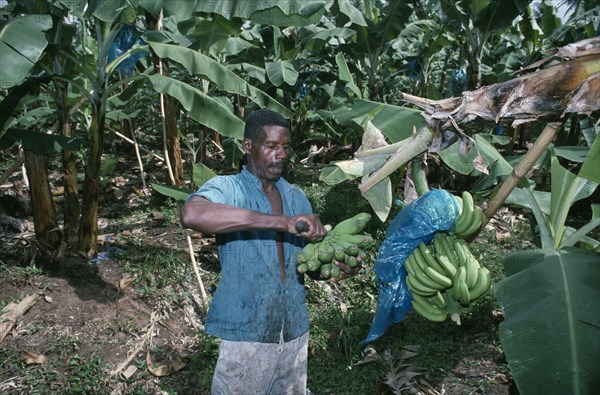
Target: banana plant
[(551, 328)]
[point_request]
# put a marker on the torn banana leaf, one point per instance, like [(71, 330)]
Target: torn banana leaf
[(568, 83), (375, 161)]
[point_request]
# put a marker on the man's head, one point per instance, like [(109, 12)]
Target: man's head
[(261, 118), (267, 144)]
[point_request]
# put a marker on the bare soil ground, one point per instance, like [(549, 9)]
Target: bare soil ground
[(90, 310)]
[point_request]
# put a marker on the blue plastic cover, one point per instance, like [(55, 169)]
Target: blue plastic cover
[(434, 211), (122, 43)]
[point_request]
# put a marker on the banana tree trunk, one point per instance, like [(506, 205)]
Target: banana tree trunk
[(45, 223), (170, 131), (88, 228), (69, 164), (172, 137)]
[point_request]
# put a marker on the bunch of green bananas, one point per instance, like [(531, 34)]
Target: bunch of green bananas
[(444, 278), (470, 218), (343, 243)]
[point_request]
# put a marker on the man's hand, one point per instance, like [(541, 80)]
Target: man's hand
[(345, 271), (308, 226)]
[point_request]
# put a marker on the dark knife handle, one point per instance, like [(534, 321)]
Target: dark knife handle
[(301, 226)]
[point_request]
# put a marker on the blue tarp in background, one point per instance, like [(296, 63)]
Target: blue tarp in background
[(434, 211)]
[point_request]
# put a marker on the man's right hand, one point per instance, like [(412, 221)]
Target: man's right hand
[(314, 232)]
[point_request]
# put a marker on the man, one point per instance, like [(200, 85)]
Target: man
[(259, 309)]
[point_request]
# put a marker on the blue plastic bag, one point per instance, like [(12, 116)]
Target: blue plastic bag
[(122, 43), (436, 210)]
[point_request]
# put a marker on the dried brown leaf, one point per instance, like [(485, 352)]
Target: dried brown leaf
[(169, 368), (480, 165), (30, 358), (370, 355)]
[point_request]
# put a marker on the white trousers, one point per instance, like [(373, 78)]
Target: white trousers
[(250, 368)]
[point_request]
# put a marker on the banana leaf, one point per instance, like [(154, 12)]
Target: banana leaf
[(22, 43), (38, 142), (551, 330)]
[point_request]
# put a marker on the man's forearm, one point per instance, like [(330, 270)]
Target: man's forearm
[(207, 217)]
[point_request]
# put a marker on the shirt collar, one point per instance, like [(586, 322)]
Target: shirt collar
[(281, 184)]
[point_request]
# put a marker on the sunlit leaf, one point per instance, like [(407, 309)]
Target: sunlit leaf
[(591, 166), (380, 198), (179, 194)]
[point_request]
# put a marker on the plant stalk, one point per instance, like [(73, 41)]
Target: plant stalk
[(415, 145), (521, 169)]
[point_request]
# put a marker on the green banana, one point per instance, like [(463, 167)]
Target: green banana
[(334, 272), (301, 258), (466, 217), (302, 268), (460, 204), (482, 284), (475, 223), (429, 257), (448, 246), (466, 309), (426, 281), (428, 310), (417, 288), (471, 272), (460, 273), (439, 300), (439, 278), (437, 245), (410, 264), (418, 259), (307, 252), (313, 265), (360, 240), (352, 250), (460, 252), (342, 243), (352, 225), (449, 267), (326, 270), (339, 254), (348, 247), (464, 296), (326, 251), (351, 261)]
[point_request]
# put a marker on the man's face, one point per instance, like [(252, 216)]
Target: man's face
[(268, 156)]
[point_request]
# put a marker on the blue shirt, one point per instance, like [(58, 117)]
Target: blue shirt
[(251, 302)]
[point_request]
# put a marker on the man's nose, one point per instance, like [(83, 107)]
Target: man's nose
[(281, 153)]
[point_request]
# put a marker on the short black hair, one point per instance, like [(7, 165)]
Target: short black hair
[(261, 118)]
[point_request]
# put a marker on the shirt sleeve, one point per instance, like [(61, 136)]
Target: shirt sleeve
[(300, 201), (218, 190)]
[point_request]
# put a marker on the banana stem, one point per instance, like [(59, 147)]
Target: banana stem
[(419, 176), (414, 145), (387, 150), (521, 170)]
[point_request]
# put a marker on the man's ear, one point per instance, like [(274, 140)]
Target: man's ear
[(247, 145)]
